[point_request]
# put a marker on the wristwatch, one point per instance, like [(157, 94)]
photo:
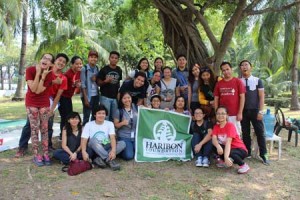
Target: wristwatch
[(261, 112)]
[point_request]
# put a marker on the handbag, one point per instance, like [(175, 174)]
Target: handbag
[(77, 167)]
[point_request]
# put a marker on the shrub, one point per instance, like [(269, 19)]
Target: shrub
[(281, 102)]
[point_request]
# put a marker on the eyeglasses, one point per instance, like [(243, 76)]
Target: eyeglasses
[(199, 113), (221, 113)]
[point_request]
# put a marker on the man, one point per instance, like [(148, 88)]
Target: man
[(230, 92), (181, 73), (253, 110), (135, 88), (89, 87), (100, 136), (108, 79)]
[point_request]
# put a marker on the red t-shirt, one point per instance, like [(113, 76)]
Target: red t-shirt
[(229, 94), (72, 77), (56, 87), (228, 130), (37, 100)]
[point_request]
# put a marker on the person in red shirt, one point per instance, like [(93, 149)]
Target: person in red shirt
[(37, 104), (56, 91), (229, 146), (230, 92), (73, 80)]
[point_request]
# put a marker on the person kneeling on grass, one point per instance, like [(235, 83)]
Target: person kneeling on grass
[(230, 147), (71, 136), (102, 139)]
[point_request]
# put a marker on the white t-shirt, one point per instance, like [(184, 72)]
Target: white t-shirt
[(99, 131)]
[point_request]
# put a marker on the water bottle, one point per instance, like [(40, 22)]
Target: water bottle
[(269, 122)]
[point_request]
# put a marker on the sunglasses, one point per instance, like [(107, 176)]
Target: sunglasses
[(205, 69)]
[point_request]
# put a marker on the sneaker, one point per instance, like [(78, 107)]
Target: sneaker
[(198, 162), (47, 160), (99, 162), (244, 169), (221, 163), (113, 165), (20, 153), (38, 160), (265, 159), (205, 162), (249, 156)]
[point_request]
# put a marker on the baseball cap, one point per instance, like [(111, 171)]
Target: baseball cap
[(93, 53)]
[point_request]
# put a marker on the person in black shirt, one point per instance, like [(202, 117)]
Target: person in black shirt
[(108, 79)]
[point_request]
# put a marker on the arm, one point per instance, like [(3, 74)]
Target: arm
[(216, 102), (202, 99), (84, 86), (227, 150), (56, 100), (261, 96), (113, 142), (73, 155), (119, 124), (41, 88), (241, 107), (217, 145), (177, 91), (189, 96), (198, 146), (83, 145), (33, 84)]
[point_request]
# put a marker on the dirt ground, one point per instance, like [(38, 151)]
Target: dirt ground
[(21, 179)]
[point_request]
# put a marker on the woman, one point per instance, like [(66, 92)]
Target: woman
[(71, 137), (193, 88), (39, 81), (125, 120), (228, 144), (155, 101), (143, 66), (180, 106), (169, 89), (207, 84)]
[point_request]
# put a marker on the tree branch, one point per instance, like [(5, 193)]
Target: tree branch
[(270, 9)]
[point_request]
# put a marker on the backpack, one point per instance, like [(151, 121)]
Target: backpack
[(121, 111)]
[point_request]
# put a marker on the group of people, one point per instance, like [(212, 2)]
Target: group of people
[(222, 109)]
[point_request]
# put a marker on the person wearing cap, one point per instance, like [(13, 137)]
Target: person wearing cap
[(89, 87)]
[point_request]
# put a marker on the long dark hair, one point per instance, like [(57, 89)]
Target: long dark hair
[(212, 80), (191, 77), (68, 126), (176, 98)]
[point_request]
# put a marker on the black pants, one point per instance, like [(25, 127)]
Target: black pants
[(238, 155), (65, 108), (250, 115)]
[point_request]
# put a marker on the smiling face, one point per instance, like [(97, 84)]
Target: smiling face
[(158, 64), (205, 76), (144, 65), (60, 63), (46, 61), (196, 70), (113, 60), (221, 115), (92, 60), (126, 100), (100, 116), (156, 77), (155, 103), (180, 103), (76, 67), (167, 73), (181, 62), (198, 114), (74, 121), (138, 82), (245, 68)]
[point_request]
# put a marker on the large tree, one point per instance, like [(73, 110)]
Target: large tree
[(179, 19)]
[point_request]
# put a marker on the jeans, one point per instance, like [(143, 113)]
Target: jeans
[(64, 157), (206, 148), (129, 151), (238, 155), (65, 108), (88, 110), (103, 150), (26, 134), (111, 106), (250, 116)]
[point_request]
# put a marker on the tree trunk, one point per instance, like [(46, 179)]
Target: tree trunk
[(9, 77), (2, 78), (294, 68), (180, 32), (19, 95)]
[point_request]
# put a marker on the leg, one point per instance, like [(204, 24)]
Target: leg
[(94, 102), (64, 109), (259, 132), (107, 103), (33, 117), (62, 156), (50, 130), (246, 130), (44, 118), (86, 113), (113, 108), (206, 149), (128, 152), (25, 136), (195, 140), (238, 156), (98, 148)]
